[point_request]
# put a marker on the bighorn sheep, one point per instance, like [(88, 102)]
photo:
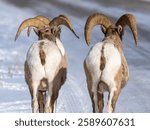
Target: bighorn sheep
[(105, 66), (46, 62)]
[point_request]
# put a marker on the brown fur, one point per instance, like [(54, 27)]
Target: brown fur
[(101, 88), (41, 100), (42, 53), (49, 33), (125, 72), (103, 60), (43, 84), (100, 102), (43, 87), (28, 77)]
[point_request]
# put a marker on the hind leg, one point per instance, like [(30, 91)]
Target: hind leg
[(55, 104), (41, 101), (48, 108), (55, 94), (35, 97), (113, 96), (114, 99), (100, 102), (89, 85), (92, 85)]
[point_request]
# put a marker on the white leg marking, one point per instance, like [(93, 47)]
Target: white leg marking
[(95, 103), (35, 97), (110, 109), (49, 95), (112, 90), (55, 104)]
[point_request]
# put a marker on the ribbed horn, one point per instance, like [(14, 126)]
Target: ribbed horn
[(130, 20), (93, 20), (31, 22), (63, 20), (43, 19), (65, 17)]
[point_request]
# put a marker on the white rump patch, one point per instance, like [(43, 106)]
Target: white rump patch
[(113, 64)]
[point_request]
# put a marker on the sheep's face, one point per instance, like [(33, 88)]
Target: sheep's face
[(113, 32)]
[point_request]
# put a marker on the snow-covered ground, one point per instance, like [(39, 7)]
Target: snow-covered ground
[(146, 0), (73, 97)]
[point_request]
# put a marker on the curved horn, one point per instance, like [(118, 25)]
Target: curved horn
[(63, 20), (29, 23), (42, 18), (63, 16), (93, 20), (130, 20), (28, 31)]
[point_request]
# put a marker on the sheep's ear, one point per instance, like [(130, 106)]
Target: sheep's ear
[(103, 29), (53, 31), (119, 29)]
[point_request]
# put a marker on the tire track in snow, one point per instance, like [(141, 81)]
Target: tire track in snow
[(16, 106), (71, 98)]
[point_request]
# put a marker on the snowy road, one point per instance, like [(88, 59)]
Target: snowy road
[(73, 97)]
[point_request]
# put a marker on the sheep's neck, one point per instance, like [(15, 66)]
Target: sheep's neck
[(48, 37), (116, 41)]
